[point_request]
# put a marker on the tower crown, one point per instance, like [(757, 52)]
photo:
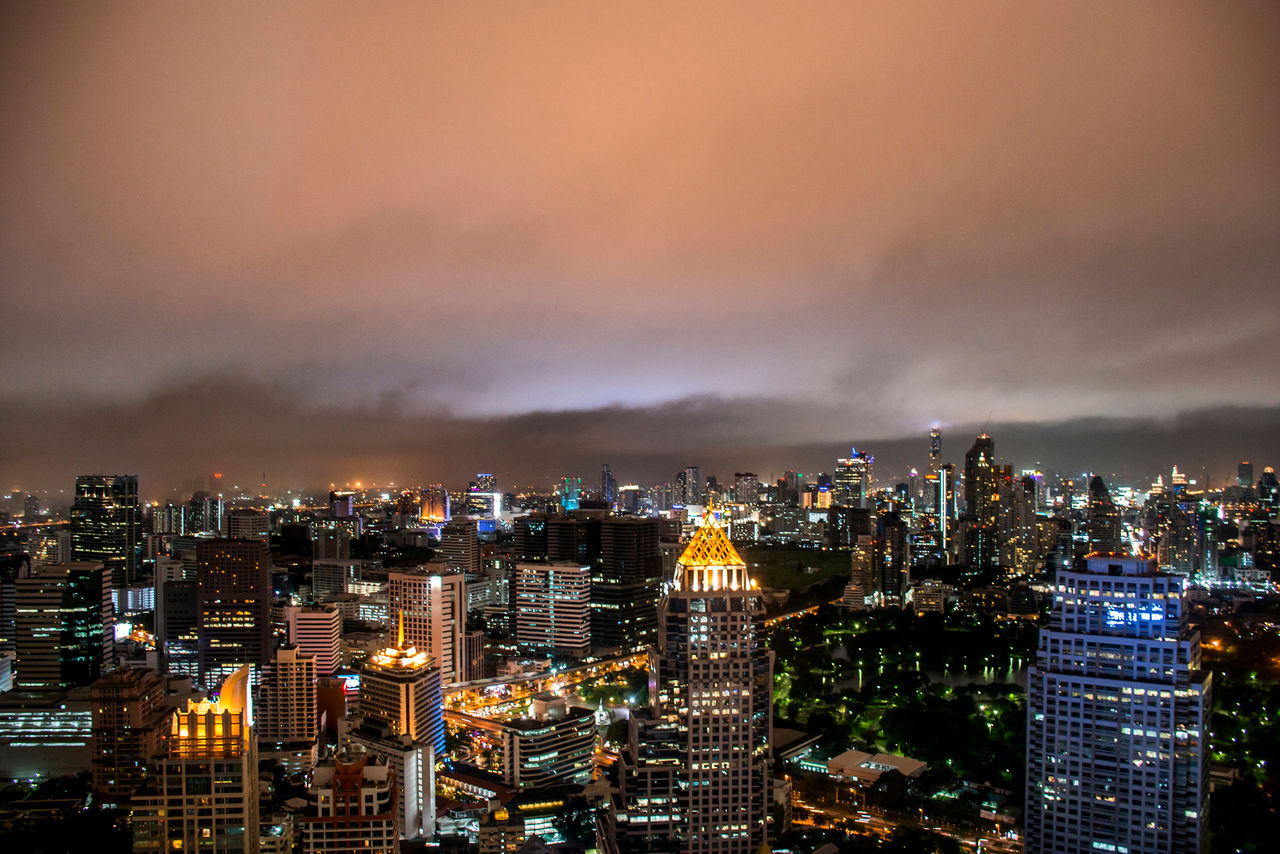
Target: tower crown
[(710, 562)]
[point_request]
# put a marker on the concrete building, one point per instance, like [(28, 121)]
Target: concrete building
[(431, 608), (316, 630), (553, 609), (1117, 716), (352, 807), (64, 624), (130, 719), (553, 743), (233, 608)]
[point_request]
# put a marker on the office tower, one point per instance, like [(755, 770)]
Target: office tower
[(889, 558), (286, 709), (248, 525), (352, 806), (316, 630), (982, 504), (852, 478), (1244, 474), (694, 487), (1117, 716), (625, 583), (13, 565), (342, 504), (473, 660), (211, 757), (486, 482), (695, 777), (431, 608), (402, 687), (106, 525), (554, 743), (746, 488), (569, 493), (553, 609), (233, 607), (433, 504), (608, 485), (130, 719), (935, 448), (178, 627), (530, 537), (460, 546), (1269, 490), (1103, 520), (64, 626), (330, 543)]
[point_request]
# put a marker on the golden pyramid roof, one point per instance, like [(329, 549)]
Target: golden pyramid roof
[(710, 547), (710, 562)]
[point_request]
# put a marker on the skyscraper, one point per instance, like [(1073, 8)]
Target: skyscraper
[(982, 504), (211, 755), (625, 583), (317, 630), (130, 718), (401, 686), (460, 545), (106, 524), (64, 626), (433, 503), (233, 607), (1117, 717), (286, 714), (352, 806), (552, 602), (852, 478), (696, 775), (431, 607), (935, 448), (608, 485)]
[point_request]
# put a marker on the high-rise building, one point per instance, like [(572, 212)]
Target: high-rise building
[(1117, 716), (608, 485), (553, 608), (1244, 474), (247, 524), (286, 710), (982, 505), (852, 478), (890, 558), (625, 583), (64, 626), (433, 504), (935, 448), (460, 546), (554, 743), (233, 607), (746, 488), (695, 489), (569, 493), (695, 777), (401, 686), (211, 756), (352, 806), (106, 525), (431, 607), (316, 630), (130, 720), (333, 575), (1103, 520)]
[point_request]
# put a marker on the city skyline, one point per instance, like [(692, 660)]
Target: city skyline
[(337, 243)]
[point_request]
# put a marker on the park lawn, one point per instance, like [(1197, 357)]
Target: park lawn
[(784, 568)]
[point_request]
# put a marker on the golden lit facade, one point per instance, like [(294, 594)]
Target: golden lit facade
[(203, 793)]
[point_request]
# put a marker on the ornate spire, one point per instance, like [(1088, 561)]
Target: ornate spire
[(710, 562)]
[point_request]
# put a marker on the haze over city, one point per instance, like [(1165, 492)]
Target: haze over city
[(409, 241)]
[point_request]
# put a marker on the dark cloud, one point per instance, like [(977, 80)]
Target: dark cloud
[(883, 214)]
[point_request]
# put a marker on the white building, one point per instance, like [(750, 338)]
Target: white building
[(1117, 724), (431, 606), (352, 806), (316, 629), (553, 608)]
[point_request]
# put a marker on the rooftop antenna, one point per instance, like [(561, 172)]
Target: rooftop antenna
[(986, 423)]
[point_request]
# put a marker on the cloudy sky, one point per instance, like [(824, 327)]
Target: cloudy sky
[(411, 241)]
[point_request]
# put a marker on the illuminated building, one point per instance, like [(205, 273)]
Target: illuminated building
[(1117, 716), (130, 719), (625, 583), (106, 523), (746, 488), (64, 626), (401, 686), (552, 603), (177, 627), (317, 630), (202, 794), (555, 743), (248, 525), (935, 448), (569, 493), (402, 705), (982, 505), (460, 546), (608, 485), (352, 806), (852, 478), (45, 735), (287, 721), (695, 777), (233, 607), (859, 592), (431, 608), (333, 575), (889, 558), (433, 504), (501, 831)]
